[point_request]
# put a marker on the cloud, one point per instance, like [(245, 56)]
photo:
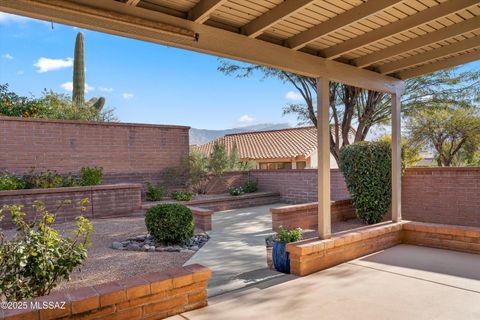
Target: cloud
[(127, 96), (68, 86), (294, 96), (246, 119), (105, 89), (7, 56), (46, 64)]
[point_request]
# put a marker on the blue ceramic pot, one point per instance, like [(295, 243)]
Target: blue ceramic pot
[(280, 257)]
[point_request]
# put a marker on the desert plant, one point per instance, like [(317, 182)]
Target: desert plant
[(250, 186), (366, 167), (181, 195), (91, 176), (289, 235), (38, 257), (236, 191), (9, 181), (42, 180), (78, 94), (170, 223), (155, 192)]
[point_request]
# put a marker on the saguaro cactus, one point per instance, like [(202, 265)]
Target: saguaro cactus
[(78, 95)]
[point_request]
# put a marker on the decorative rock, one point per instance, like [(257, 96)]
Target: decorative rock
[(147, 243), (133, 247), (117, 245)]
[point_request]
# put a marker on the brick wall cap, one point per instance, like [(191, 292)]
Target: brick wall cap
[(201, 211), (22, 192), (306, 206), (89, 123), (199, 202), (309, 246)]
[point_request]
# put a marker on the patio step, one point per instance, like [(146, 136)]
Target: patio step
[(256, 280)]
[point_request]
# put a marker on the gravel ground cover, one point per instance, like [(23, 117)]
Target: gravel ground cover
[(105, 264)]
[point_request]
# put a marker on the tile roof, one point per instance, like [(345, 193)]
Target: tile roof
[(272, 144)]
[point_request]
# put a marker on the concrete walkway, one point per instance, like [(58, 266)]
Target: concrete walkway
[(403, 282), (236, 250)]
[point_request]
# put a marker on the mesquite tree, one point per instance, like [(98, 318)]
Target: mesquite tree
[(361, 109)]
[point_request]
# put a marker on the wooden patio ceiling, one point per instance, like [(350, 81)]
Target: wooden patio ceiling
[(372, 44)]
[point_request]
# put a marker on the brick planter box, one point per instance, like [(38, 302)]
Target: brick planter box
[(226, 202), (104, 201), (305, 216), (312, 255), (154, 295)]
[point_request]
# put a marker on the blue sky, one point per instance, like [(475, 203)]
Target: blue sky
[(144, 82)]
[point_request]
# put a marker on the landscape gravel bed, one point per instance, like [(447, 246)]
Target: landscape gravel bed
[(105, 264)]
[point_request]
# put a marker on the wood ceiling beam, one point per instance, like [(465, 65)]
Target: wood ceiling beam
[(342, 20), (138, 23), (285, 9), (457, 47), (439, 65), (399, 26), (132, 3), (202, 10), (418, 42)]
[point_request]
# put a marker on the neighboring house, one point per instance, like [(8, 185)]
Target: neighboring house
[(293, 148)]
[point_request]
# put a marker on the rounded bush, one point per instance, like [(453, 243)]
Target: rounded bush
[(366, 167), (170, 223)]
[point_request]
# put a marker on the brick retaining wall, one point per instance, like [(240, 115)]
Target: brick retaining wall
[(442, 195), (305, 216), (104, 201), (128, 153), (154, 295), (312, 255), (299, 186), (437, 195)]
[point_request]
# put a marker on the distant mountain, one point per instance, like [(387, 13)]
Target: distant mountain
[(201, 136)]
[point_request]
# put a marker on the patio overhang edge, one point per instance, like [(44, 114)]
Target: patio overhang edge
[(134, 22)]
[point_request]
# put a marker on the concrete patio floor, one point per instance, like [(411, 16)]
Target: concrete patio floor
[(403, 282), (236, 250)]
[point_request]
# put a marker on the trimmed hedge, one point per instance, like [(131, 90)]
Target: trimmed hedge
[(170, 223), (366, 167)]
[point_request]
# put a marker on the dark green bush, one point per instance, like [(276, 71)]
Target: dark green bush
[(38, 256), (155, 192), (91, 176), (9, 181), (181, 196), (250, 186), (170, 223), (366, 167), (236, 191)]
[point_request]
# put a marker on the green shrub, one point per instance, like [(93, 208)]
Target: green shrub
[(155, 193), (10, 181), (38, 257), (91, 176), (250, 186), (366, 167), (181, 196), (286, 235), (236, 191), (170, 223)]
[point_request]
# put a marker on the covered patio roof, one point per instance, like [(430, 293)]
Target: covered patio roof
[(370, 44)]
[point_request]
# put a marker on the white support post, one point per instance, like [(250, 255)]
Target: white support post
[(396, 159), (323, 131)]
